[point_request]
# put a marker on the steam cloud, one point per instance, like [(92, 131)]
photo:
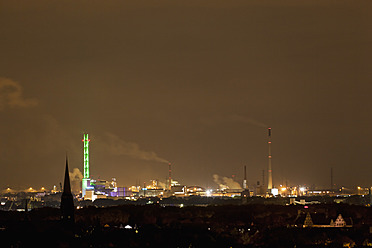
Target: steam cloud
[(232, 118), (162, 185), (11, 94), (226, 182), (75, 178), (117, 146), (244, 119)]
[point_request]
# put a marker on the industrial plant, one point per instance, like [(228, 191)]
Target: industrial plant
[(91, 189), (139, 215)]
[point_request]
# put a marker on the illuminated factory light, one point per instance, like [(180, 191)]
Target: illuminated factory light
[(209, 192), (274, 191)]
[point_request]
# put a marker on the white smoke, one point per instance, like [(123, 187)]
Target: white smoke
[(117, 146), (161, 185), (11, 95), (226, 182), (217, 180), (231, 184), (244, 119), (211, 120), (75, 179)]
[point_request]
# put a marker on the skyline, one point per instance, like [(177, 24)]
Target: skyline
[(195, 84)]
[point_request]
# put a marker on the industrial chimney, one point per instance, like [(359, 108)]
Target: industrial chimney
[(269, 171)]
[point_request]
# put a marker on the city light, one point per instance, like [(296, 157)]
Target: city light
[(274, 191), (209, 192)]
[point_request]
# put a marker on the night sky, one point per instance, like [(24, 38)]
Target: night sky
[(195, 83)]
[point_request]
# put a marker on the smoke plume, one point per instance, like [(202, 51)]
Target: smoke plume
[(226, 182), (11, 95), (162, 185), (211, 120), (75, 178), (117, 146), (244, 119)]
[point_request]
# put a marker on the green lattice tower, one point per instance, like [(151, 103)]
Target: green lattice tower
[(86, 164)]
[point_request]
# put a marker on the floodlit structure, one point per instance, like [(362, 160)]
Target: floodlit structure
[(269, 171), (245, 178), (86, 179)]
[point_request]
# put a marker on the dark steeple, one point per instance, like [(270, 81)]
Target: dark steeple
[(67, 202), (66, 185)]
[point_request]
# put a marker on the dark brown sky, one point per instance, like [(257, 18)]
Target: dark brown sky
[(192, 82)]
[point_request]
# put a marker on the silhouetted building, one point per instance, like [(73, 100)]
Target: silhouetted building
[(67, 202)]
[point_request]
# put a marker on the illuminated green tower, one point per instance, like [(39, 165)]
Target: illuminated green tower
[(86, 178)]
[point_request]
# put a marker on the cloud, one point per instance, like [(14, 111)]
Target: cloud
[(234, 118), (226, 182), (244, 119), (11, 95), (75, 177), (162, 185), (117, 146)]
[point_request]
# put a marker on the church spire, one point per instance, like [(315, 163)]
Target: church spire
[(67, 202), (66, 184)]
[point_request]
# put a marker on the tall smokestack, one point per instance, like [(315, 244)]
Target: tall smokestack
[(245, 178), (269, 171), (170, 177), (331, 178)]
